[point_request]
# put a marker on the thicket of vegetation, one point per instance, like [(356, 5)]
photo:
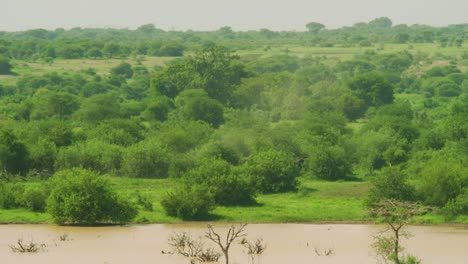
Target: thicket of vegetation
[(227, 124)]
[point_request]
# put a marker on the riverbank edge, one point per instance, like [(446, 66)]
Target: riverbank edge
[(318, 222)]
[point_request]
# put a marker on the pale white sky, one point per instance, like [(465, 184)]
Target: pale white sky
[(212, 14)]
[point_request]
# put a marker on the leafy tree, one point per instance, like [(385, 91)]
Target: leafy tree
[(54, 104), (124, 69), (457, 206), (196, 105), (390, 184), (227, 187), (220, 71), (111, 49), (147, 159), (158, 109), (171, 50), (175, 78), (443, 180), (381, 22), (329, 162), (395, 62), (184, 136), (80, 196), (272, 171), (189, 203), (5, 66), (314, 27), (373, 88), (99, 107), (91, 154), (396, 215), (14, 156)]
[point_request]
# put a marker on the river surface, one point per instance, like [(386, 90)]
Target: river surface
[(286, 243)]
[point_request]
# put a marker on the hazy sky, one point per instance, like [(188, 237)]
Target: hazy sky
[(212, 14)]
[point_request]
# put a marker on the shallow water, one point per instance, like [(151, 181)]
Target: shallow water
[(286, 243)]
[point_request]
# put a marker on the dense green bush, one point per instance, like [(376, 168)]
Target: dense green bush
[(189, 203), (35, 198), (443, 180), (5, 66), (11, 195), (272, 171), (90, 154), (80, 196), (390, 184), (228, 187), (457, 206), (14, 156), (147, 159), (329, 162)]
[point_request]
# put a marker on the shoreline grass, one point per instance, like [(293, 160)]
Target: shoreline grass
[(317, 202)]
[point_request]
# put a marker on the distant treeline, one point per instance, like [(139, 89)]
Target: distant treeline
[(150, 40)]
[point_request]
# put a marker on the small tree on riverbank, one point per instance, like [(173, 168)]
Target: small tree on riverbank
[(396, 215)]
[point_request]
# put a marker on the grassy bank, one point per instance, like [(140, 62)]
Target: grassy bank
[(315, 201)]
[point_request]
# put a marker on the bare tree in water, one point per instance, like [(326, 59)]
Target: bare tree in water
[(234, 233)]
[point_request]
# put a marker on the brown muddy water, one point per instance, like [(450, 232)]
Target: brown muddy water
[(286, 243)]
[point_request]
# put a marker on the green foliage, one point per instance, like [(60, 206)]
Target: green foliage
[(457, 206), (391, 183), (80, 196), (443, 179), (147, 159), (189, 203), (14, 157), (122, 132), (91, 154), (329, 162), (158, 110), (5, 66), (373, 88), (277, 63), (11, 195), (314, 27), (220, 150), (124, 69), (99, 107), (272, 171), (376, 150), (196, 105), (35, 199), (144, 201), (226, 186), (381, 22), (54, 104), (181, 137)]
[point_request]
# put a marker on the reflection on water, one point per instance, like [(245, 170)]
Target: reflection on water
[(286, 243)]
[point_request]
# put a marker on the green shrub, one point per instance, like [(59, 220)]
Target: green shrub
[(228, 188), (272, 171), (92, 154), (457, 206), (147, 159), (11, 195), (329, 163), (80, 196), (390, 184), (189, 203), (35, 199), (144, 201)]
